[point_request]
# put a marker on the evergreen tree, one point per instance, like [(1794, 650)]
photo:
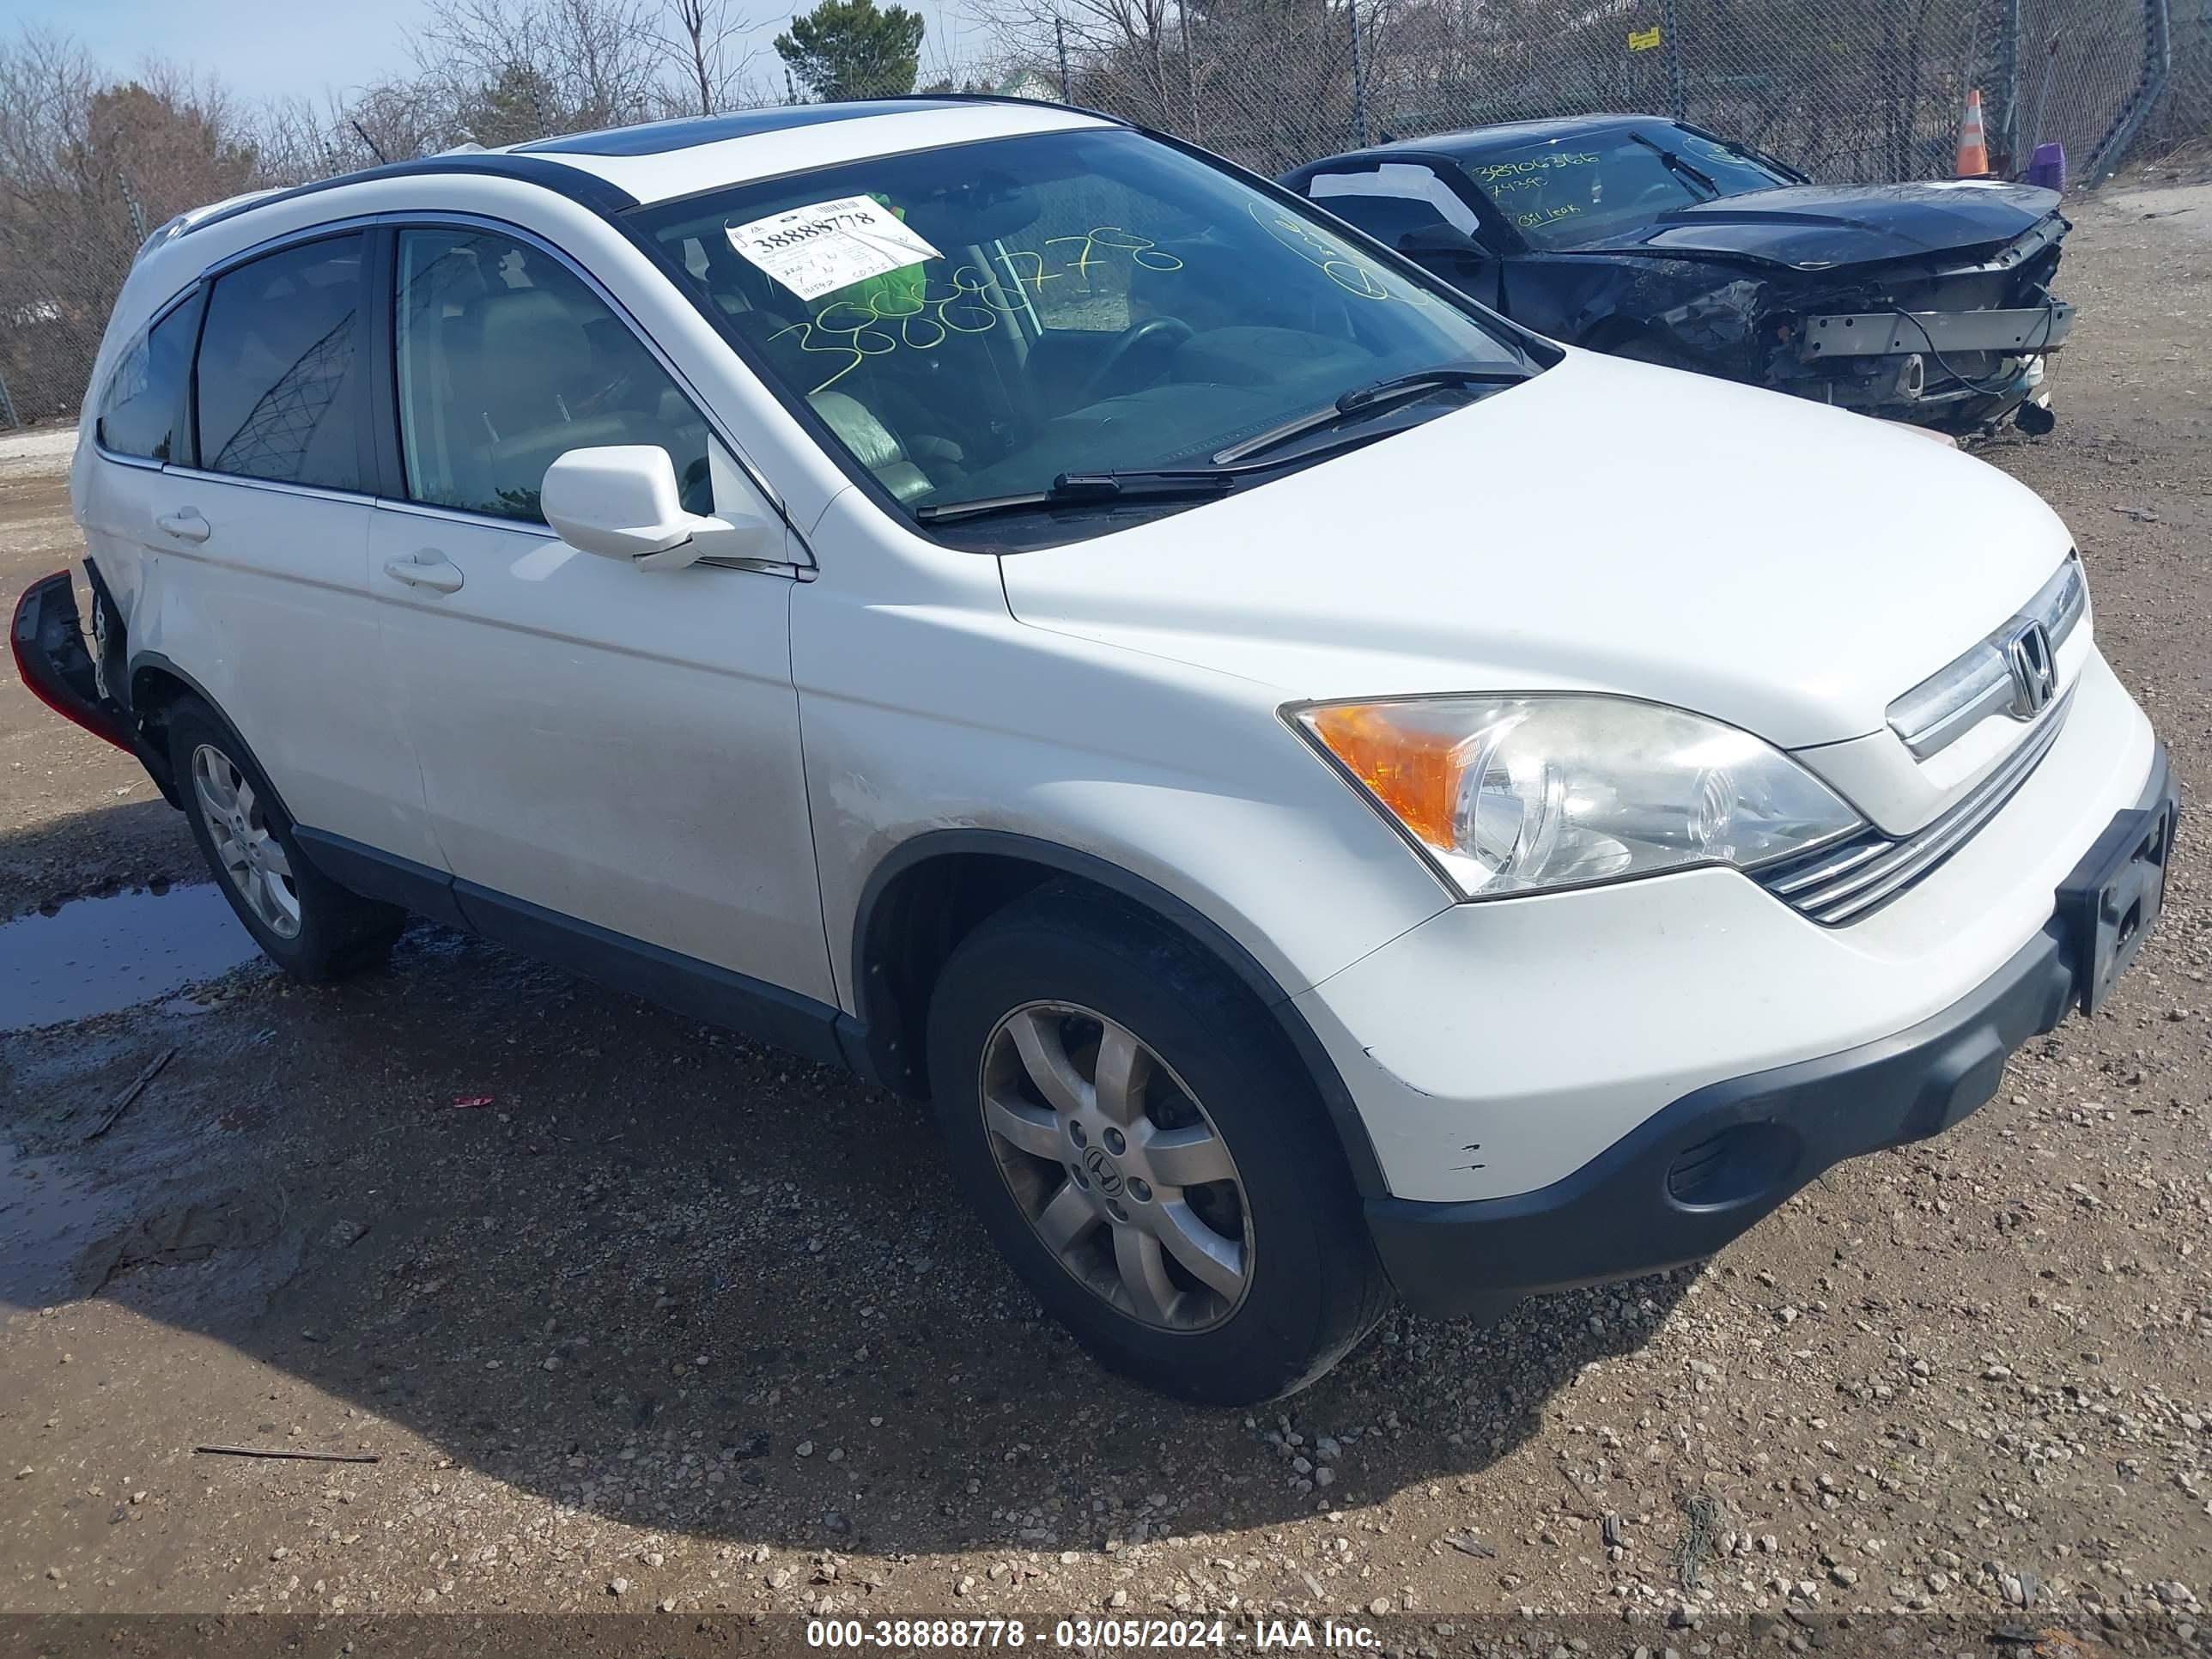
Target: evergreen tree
[(852, 49)]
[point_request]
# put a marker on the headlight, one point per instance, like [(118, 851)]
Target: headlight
[(1515, 794)]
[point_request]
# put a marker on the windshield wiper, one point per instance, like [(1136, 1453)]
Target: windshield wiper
[(1675, 165), (1760, 158), (1399, 388), (1190, 483), (1074, 488)]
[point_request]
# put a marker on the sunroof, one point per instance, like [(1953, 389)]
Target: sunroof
[(658, 137)]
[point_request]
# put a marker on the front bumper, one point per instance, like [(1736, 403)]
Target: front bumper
[(1704, 1170), (2023, 333), (1951, 371), (1497, 1048)]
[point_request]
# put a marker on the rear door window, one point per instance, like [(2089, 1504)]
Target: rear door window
[(279, 375), (142, 412)]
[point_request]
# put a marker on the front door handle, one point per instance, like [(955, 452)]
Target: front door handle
[(428, 568), (185, 524)]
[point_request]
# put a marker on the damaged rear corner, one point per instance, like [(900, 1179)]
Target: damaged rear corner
[(79, 677)]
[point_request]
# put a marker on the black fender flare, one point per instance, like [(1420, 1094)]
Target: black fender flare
[(1344, 1114)]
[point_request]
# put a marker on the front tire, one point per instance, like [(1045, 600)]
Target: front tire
[(306, 923), (1139, 1140)]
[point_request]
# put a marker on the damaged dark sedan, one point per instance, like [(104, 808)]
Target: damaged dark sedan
[(1930, 303)]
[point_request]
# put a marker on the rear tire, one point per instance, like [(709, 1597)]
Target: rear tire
[(1173, 1193), (306, 923)]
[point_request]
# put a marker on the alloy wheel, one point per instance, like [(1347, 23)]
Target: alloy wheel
[(251, 857), (1117, 1166)]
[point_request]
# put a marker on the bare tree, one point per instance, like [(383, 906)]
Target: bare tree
[(707, 44), (392, 120), (397, 120), (88, 164), (47, 83), (1126, 55), (562, 64)]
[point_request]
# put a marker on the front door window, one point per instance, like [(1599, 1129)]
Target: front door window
[(508, 360)]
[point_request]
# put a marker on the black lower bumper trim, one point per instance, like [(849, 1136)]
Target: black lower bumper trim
[(1702, 1171)]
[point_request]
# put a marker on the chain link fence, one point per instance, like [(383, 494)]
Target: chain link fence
[(1849, 90), (2183, 117), (1861, 91), (59, 274)]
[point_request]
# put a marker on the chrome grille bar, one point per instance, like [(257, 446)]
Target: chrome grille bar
[(1841, 883), (1951, 702)]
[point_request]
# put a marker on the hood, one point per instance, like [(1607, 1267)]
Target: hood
[(1610, 526), (1817, 227)]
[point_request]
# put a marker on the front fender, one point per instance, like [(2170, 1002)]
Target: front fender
[(872, 1039), (1708, 314)]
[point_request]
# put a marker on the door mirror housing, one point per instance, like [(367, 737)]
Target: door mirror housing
[(620, 501)]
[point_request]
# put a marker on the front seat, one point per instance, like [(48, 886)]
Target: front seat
[(526, 359), (873, 443)]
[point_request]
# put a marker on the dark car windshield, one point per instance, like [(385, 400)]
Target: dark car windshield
[(977, 322), (1559, 192)]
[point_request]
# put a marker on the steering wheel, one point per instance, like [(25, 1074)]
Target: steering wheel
[(1144, 348)]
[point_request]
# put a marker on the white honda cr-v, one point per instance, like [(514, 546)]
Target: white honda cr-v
[(1325, 791)]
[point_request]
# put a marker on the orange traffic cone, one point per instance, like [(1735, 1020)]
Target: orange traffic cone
[(1973, 146)]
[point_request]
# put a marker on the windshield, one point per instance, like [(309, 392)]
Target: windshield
[(1560, 192), (979, 322)]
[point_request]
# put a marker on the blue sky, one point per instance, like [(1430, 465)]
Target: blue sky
[(272, 48), (264, 48)]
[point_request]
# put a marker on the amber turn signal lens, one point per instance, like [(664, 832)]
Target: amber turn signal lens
[(1414, 772)]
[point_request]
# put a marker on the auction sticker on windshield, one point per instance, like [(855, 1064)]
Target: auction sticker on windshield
[(814, 251)]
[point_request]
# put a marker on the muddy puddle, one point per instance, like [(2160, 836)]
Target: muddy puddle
[(95, 956), (50, 1216)]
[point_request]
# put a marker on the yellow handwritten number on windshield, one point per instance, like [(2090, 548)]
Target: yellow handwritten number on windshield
[(1339, 262), (871, 323)]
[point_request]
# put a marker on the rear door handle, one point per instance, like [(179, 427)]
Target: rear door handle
[(185, 524), (428, 568)]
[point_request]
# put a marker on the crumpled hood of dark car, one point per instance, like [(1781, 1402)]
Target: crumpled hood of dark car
[(1818, 226)]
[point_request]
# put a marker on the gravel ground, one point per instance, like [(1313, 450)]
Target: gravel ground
[(635, 1316)]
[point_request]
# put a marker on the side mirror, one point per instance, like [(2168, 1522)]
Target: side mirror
[(620, 501)]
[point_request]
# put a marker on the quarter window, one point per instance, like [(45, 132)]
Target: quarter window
[(278, 379), (508, 361), (139, 414)]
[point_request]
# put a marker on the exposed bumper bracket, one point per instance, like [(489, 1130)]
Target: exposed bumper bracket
[(1892, 333)]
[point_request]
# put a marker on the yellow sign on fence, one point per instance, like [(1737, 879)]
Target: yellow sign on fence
[(1643, 40)]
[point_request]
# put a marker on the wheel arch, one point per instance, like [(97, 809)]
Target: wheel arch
[(156, 685), (931, 892)]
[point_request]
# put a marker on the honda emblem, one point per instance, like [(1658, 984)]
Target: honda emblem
[(2034, 670)]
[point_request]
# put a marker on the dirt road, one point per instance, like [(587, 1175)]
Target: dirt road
[(671, 1322)]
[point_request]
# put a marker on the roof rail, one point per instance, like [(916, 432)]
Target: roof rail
[(996, 98), (573, 183)]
